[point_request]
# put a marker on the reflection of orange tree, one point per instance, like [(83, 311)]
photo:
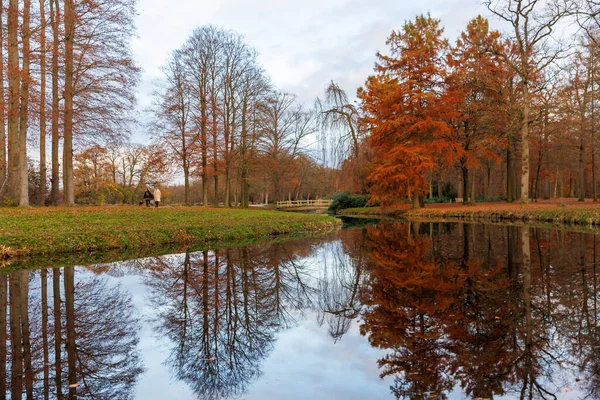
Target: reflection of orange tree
[(404, 297), (445, 322)]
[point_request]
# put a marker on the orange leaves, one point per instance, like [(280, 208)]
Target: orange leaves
[(402, 106)]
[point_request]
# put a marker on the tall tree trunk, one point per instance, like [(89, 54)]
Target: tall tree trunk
[(537, 175), (68, 181), (186, 183), (13, 102), (431, 185), (461, 186), (69, 284), (55, 178), (525, 144), (204, 145), (24, 110), (510, 195), (42, 186), (3, 169), (466, 182), (416, 203), (245, 200), (440, 189), (593, 127), (473, 179), (581, 183), (571, 186), (215, 143)]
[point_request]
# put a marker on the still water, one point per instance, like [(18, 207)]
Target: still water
[(389, 310)]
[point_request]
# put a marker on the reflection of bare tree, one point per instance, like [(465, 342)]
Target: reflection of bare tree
[(3, 304), (106, 337), (341, 279), (96, 335), (218, 341), (221, 311)]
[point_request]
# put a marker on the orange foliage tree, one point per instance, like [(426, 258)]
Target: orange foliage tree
[(406, 110), (475, 83)]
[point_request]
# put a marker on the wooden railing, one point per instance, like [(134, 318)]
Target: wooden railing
[(303, 203)]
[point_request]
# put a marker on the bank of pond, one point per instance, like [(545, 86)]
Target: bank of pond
[(379, 309), (569, 212), (81, 230)]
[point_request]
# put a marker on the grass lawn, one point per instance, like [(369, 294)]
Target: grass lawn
[(554, 211), (36, 231)]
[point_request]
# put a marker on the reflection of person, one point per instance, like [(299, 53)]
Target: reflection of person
[(148, 196), (156, 197)]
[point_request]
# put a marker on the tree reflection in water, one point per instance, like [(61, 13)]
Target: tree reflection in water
[(482, 310), (494, 313), (221, 310), (80, 344)]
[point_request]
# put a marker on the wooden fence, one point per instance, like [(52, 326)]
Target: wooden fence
[(304, 203)]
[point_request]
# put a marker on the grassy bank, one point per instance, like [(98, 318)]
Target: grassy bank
[(39, 231), (555, 212), (52, 260)]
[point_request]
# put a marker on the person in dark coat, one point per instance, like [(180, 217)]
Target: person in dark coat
[(148, 196)]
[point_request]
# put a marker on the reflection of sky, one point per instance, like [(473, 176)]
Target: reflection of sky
[(305, 361)]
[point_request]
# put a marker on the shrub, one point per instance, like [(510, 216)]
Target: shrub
[(345, 200), (433, 200), (483, 199)]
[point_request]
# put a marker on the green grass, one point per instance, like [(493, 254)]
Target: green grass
[(40, 231), (119, 255)]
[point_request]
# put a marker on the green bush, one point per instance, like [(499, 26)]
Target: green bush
[(483, 199), (345, 200), (433, 200)]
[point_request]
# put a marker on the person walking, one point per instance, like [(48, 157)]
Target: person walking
[(156, 197), (148, 196)]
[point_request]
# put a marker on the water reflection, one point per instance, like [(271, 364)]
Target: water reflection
[(450, 310), (490, 310), (66, 338)]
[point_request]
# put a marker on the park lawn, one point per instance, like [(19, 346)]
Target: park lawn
[(37, 231), (567, 211)]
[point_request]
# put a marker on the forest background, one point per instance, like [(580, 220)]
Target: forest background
[(508, 114)]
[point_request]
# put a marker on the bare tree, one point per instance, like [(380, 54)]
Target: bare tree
[(284, 126), (201, 54), (2, 107), (13, 102), (174, 119), (340, 121), (42, 117), (69, 90), (533, 23), (24, 106), (55, 169)]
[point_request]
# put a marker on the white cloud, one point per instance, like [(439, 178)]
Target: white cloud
[(302, 44)]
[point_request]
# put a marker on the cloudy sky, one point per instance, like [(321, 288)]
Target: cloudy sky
[(302, 44)]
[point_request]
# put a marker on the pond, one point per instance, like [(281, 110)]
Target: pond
[(380, 311)]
